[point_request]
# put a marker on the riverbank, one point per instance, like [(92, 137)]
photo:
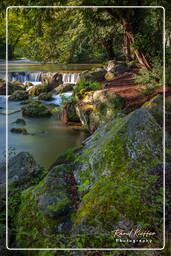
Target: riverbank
[(114, 180)]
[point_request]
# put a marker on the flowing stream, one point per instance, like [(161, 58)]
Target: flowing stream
[(48, 137)]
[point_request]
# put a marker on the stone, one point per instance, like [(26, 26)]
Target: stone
[(11, 87), (155, 107), (116, 68), (45, 96), (36, 90), (48, 205), (93, 76), (98, 107), (19, 95), (109, 76), (110, 66), (69, 113), (36, 109), (22, 173), (20, 121), (112, 173), (63, 88), (19, 130), (53, 81)]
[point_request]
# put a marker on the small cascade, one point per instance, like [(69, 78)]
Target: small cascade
[(70, 78), (26, 76), (36, 77)]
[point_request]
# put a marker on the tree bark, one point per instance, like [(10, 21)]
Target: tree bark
[(108, 45), (124, 15), (129, 39)]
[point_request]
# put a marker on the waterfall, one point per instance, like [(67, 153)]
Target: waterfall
[(26, 77), (35, 77), (70, 78)]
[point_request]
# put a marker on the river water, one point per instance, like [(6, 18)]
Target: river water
[(49, 137)]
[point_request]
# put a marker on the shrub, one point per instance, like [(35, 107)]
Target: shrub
[(84, 86), (150, 80)]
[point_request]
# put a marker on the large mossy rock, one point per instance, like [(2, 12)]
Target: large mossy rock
[(119, 174), (36, 90), (12, 87), (22, 173), (19, 95), (45, 210), (156, 107), (36, 109), (20, 168)]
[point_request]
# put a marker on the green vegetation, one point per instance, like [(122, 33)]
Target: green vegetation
[(84, 86)]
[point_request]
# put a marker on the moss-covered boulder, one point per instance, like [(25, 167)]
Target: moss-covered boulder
[(12, 87), (45, 96), (36, 90), (36, 109), (119, 173), (19, 95), (156, 107), (22, 173), (45, 210)]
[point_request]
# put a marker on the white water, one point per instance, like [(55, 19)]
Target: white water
[(70, 78), (36, 77)]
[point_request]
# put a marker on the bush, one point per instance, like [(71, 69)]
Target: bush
[(150, 80), (84, 86)]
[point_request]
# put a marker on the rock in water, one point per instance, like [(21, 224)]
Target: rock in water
[(20, 121), (63, 88), (19, 95), (45, 96), (19, 130), (36, 109)]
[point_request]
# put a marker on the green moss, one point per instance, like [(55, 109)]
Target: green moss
[(31, 222)]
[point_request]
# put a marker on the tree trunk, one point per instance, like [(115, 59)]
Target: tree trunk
[(129, 40), (108, 45)]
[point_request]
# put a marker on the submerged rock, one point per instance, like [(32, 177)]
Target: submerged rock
[(20, 121), (19, 95), (19, 130), (45, 96), (36, 109)]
